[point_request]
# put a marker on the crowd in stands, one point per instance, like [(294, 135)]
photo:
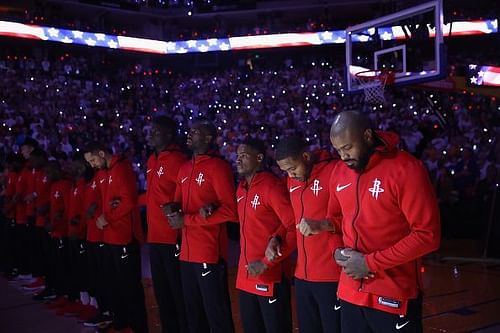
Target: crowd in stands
[(67, 101)]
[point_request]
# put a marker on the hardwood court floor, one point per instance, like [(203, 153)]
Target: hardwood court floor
[(460, 297)]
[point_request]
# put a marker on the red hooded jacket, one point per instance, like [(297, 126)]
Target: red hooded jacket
[(203, 180), (42, 189), (263, 206), (389, 213), (310, 200), (23, 185), (31, 176), (123, 221), (10, 191), (76, 210), (161, 182), (59, 200), (93, 195)]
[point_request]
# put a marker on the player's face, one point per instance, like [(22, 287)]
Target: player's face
[(157, 137), (96, 161), (296, 168), (353, 148), (247, 160), (26, 151), (197, 137)]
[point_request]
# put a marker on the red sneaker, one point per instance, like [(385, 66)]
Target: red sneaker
[(37, 284), (87, 313), (74, 309), (60, 311), (60, 301)]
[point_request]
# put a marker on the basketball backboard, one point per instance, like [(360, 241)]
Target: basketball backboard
[(408, 43)]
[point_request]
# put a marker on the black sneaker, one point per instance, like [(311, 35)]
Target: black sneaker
[(44, 295), (101, 320)]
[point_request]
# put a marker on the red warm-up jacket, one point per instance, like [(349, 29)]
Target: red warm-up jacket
[(42, 189), (263, 206), (161, 182), (10, 192), (389, 213), (205, 179), (76, 210), (59, 200), (93, 196), (31, 176), (24, 186), (310, 200), (124, 220)]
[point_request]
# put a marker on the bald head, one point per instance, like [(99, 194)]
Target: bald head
[(349, 121), (352, 138)]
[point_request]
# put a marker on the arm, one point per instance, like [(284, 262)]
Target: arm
[(124, 188), (279, 200), (224, 188), (422, 213)]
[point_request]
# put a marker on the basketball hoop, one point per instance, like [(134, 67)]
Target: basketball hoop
[(373, 83)]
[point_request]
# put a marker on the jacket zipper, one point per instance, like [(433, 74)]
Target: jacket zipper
[(354, 221), (303, 237), (187, 205), (243, 229)]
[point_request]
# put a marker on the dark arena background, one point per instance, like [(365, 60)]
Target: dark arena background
[(73, 72)]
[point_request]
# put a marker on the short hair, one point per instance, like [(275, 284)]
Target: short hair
[(54, 165), (353, 120), (291, 146), (258, 145), (94, 147), (166, 123), (78, 157), (40, 153), (15, 160), (30, 142), (207, 125)]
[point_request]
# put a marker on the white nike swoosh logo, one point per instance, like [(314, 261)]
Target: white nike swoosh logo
[(398, 327), (184, 179), (124, 256), (102, 180), (239, 199), (336, 307), (148, 170), (271, 301), (341, 187), (294, 188), (206, 273), (177, 254)]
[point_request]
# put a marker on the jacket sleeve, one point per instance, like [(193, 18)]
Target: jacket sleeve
[(224, 187), (279, 200), (124, 187), (417, 201), (169, 188), (334, 210)]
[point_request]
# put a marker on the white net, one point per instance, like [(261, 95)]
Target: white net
[(373, 84)]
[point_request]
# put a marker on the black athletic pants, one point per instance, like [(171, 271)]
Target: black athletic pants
[(165, 272), (122, 264), (39, 252), (206, 297), (96, 276), (356, 319), (61, 268), (10, 246), (23, 248), (77, 268), (318, 309), (260, 314)]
